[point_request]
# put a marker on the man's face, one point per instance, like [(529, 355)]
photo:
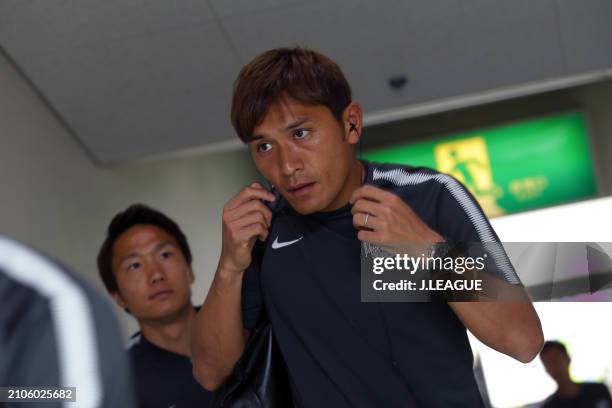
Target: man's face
[(306, 154), (153, 277), (556, 363)]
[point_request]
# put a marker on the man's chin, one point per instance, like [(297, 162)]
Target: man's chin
[(305, 208), (168, 313)]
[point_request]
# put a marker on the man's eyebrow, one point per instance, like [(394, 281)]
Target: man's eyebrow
[(296, 124), (136, 254), (163, 244), (291, 126), (128, 256)]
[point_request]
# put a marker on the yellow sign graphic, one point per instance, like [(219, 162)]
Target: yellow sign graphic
[(468, 161), (528, 188)]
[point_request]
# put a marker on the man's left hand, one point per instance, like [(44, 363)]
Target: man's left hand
[(385, 219)]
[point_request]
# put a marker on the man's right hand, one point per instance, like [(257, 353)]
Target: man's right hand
[(218, 338), (245, 218)]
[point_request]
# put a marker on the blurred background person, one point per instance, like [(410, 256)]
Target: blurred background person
[(570, 394), (56, 331)]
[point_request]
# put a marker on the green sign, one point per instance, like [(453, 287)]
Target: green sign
[(516, 167)]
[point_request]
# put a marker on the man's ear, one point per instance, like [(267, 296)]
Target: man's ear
[(192, 276), (119, 299), (352, 119)]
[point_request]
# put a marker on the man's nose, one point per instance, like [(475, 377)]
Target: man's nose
[(156, 272), (290, 160)]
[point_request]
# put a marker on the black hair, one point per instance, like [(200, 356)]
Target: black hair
[(136, 214), (553, 344)]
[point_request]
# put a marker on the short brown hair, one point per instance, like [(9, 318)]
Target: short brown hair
[(301, 74)]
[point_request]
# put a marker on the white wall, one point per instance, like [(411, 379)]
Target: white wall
[(49, 186), (55, 199)]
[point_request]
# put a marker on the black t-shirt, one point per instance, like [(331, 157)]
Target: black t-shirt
[(164, 379), (342, 352), (591, 395)]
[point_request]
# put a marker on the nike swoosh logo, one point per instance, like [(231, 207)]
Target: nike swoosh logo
[(277, 245)]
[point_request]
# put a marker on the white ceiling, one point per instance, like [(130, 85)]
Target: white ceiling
[(134, 78)]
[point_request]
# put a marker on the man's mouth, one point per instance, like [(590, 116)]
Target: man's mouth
[(161, 294), (301, 189)]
